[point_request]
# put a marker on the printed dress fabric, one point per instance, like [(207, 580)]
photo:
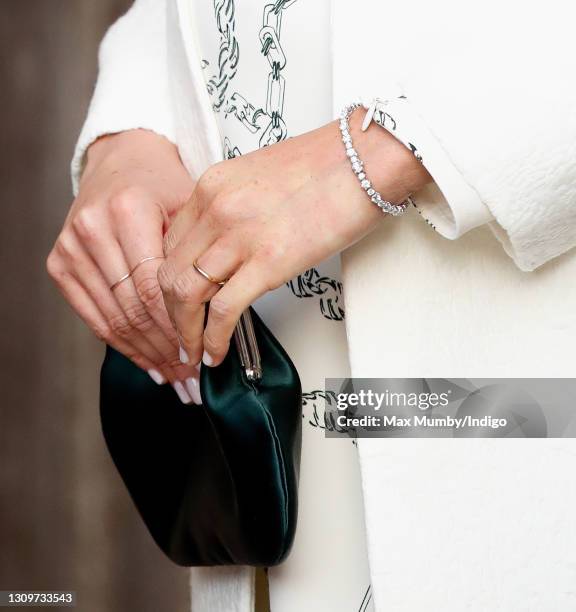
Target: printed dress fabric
[(268, 71)]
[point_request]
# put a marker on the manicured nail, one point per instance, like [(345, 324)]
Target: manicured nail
[(184, 356), (207, 359), (194, 390), (182, 393), (156, 376)]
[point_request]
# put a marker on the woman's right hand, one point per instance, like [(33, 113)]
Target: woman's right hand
[(133, 184)]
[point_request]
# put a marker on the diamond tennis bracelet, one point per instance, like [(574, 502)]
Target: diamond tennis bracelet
[(358, 167)]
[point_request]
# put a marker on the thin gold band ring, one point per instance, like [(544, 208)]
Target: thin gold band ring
[(120, 280), (144, 261), (129, 274), (208, 277)]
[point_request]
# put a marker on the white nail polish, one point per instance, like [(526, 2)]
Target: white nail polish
[(207, 359), (193, 390), (156, 376), (184, 356), (182, 393)]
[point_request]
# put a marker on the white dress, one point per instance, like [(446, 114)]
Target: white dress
[(268, 72)]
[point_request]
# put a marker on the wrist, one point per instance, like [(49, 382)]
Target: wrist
[(391, 167), (132, 147)]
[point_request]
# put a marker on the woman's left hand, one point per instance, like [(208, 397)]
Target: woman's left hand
[(261, 219)]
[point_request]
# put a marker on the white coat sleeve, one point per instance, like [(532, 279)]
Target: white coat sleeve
[(491, 88), (132, 90)]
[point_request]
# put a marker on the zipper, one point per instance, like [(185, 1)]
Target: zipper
[(247, 347)]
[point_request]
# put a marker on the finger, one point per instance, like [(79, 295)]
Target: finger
[(141, 320), (145, 280), (225, 310), (108, 256), (189, 319), (186, 218), (188, 391), (193, 290), (88, 311), (182, 284), (142, 242), (90, 277)]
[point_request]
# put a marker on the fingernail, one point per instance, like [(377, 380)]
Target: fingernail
[(206, 359), (182, 393), (193, 390), (156, 376), (184, 356)]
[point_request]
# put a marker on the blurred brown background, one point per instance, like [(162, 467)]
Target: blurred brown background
[(65, 520)]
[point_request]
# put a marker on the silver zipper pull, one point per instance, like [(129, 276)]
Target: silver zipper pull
[(247, 347)]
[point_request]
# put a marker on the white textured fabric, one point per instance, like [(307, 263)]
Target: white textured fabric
[(225, 589), (449, 204), (459, 525), (492, 534), (133, 83), (493, 83)]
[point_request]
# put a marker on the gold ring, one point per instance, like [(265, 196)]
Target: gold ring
[(207, 276), (144, 261), (120, 280), (129, 274)]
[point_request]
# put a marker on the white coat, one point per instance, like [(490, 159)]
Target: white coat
[(490, 102)]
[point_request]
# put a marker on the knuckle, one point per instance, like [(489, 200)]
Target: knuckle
[(166, 275), (169, 242), (66, 250), (225, 207), (138, 317), (125, 203), (63, 247), (85, 224), (120, 325), (102, 333), (53, 265), (274, 251), (183, 288), (209, 182), (149, 292), (221, 310)]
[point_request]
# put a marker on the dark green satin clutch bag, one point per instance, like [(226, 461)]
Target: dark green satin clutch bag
[(215, 484)]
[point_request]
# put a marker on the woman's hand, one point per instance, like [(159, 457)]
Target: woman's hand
[(261, 219), (133, 184)]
